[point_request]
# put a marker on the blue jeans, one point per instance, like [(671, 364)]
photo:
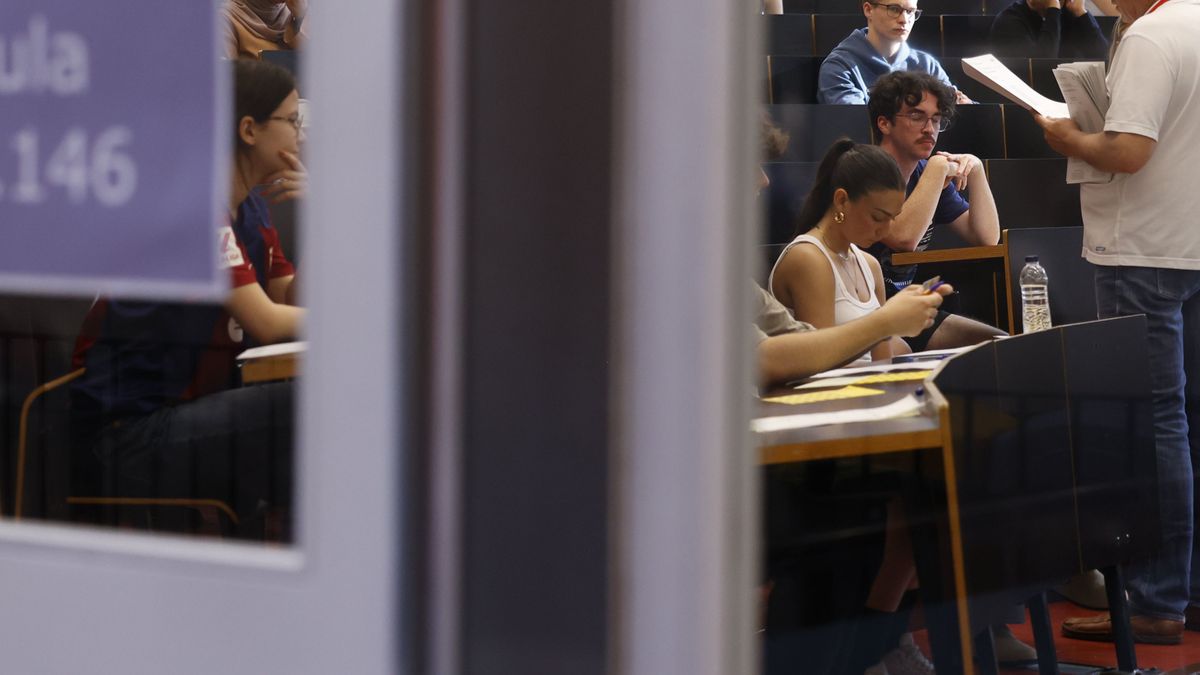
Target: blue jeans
[(234, 445), (1170, 299)]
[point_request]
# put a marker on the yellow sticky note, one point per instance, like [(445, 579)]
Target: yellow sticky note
[(901, 376), (830, 395)]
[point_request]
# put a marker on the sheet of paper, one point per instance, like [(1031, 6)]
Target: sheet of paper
[(827, 382), (874, 368), (898, 376), (988, 70), (908, 406), (1086, 93), (825, 395), (903, 376), (278, 349)]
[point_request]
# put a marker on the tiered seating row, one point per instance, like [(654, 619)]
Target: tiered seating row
[(988, 131), (927, 6), (793, 79), (944, 35)]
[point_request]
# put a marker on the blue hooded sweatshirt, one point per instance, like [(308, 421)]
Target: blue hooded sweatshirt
[(853, 66)]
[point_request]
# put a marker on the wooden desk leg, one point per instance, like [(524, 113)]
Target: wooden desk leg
[(985, 653), (1118, 609), (1043, 635), (937, 551)]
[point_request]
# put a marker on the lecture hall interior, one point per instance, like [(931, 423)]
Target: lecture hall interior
[(708, 337)]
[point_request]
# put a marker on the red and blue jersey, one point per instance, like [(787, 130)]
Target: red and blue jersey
[(141, 356)]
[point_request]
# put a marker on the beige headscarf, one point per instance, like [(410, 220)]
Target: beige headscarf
[(267, 19)]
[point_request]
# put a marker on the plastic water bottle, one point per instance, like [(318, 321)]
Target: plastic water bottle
[(1035, 296)]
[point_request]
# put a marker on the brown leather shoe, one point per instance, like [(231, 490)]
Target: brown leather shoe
[(1146, 629)]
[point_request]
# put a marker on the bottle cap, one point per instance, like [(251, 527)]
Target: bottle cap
[(1031, 258)]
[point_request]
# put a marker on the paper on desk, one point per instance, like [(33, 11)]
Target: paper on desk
[(1086, 93), (816, 396), (988, 70), (855, 374), (906, 407), (915, 371), (903, 376), (278, 349)]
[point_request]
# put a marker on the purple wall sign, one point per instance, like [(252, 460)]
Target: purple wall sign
[(114, 147)]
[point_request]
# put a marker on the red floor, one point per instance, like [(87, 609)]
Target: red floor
[(1181, 659)]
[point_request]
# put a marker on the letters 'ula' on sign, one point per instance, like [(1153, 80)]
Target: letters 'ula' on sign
[(114, 147)]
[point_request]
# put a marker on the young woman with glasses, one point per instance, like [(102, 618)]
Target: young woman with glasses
[(158, 412)]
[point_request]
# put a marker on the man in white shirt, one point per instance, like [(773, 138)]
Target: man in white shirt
[(1142, 231)]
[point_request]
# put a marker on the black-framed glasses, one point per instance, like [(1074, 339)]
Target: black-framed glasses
[(895, 10), (920, 119), (297, 121)]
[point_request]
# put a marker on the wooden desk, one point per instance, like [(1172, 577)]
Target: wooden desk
[(928, 431), (1047, 454), (272, 362)]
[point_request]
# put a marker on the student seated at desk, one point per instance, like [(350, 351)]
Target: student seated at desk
[(256, 26), (848, 72), (790, 350), (158, 406), (824, 276), (909, 110)]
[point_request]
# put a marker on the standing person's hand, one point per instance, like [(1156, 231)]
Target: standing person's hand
[(290, 183), (1058, 131), (962, 99)]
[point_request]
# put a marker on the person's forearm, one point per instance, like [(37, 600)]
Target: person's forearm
[(294, 34), (797, 355), (1110, 151), (914, 219), (983, 217)]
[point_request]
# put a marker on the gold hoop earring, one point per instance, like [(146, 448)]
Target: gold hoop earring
[(839, 217)]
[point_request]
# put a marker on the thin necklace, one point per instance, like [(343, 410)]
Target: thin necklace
[(844, 256)]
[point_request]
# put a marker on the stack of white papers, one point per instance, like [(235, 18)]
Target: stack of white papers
[(1086, 92)]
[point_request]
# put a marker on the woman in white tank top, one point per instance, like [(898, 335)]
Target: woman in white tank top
[(823, 275)]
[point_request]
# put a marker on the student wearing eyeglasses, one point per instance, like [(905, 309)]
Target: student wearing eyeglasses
[(909, 110), (867, 54), (158, 413)]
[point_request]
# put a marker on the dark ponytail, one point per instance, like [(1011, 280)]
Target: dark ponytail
[(856, 168), (259, 88)]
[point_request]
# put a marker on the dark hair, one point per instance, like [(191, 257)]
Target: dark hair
[(856, 168), (259, 88), (892, 91), (774, 140)]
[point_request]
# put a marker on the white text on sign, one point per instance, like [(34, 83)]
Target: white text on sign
[(38, 61)]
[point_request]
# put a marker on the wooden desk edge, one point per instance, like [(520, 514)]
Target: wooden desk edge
[(949, 254), (282, 367), (851, 447)]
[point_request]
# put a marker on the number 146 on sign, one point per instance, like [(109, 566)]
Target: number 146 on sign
[(83, 168)]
